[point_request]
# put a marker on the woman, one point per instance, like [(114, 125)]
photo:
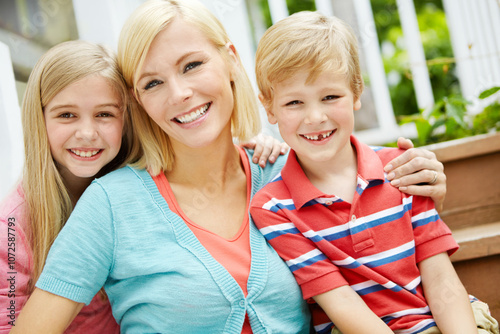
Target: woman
[(170, 238)]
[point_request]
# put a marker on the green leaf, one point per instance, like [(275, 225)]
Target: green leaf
[(455, 109), (489, 92)]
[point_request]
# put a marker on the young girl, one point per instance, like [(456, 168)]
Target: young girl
[(76, 127), (171, 239)]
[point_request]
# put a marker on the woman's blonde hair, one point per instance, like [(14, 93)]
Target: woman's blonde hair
[(49, 203), (136, 37), (307, 40)]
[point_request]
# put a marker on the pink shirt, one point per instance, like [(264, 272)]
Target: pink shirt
[(15, 270)]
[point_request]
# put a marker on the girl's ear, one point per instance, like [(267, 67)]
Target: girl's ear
[(270, 115)]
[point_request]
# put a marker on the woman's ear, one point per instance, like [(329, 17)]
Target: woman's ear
[(231, 50)]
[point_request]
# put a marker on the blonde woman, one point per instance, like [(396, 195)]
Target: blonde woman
[(170, 238)]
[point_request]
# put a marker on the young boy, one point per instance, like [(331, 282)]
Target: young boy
[(364, 251)]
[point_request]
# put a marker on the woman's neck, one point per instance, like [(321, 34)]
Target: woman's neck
[(206, 164)]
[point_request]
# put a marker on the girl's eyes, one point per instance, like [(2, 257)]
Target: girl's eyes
[(105, 114), (152, 83), (66, 115)]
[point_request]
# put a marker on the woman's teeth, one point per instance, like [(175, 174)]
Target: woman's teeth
[(319, 137), (188, 118), (85, 154)]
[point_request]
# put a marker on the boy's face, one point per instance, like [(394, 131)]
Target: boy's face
[(316, 118)]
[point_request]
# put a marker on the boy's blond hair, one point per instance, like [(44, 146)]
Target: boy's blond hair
[(136, 37), (307, 40)]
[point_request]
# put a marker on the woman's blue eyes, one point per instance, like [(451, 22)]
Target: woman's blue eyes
[(152, 84), (66, 115), (192, 65), (155, 82)]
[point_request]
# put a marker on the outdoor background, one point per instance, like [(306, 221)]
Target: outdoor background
[(425, 62)]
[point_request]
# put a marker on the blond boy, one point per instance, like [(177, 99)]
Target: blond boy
[(364, 251)]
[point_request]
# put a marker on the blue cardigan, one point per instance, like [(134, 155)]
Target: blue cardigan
[(158, 277)]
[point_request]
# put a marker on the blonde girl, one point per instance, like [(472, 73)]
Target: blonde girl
[(60, 162)]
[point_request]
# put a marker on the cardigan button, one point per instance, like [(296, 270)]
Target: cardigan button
[(242, 303)]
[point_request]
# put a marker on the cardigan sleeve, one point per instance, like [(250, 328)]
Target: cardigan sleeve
[(81, 257)]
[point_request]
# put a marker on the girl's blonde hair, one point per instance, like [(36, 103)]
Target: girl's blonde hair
[(307, 40), (136, 38), (48, 202)]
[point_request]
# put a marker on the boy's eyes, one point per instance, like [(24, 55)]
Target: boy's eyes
[(292, 103), (331, 97)]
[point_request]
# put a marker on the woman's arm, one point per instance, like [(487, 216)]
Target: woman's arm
[(349, 313), (418, 172), (46, 313), (446, 296)]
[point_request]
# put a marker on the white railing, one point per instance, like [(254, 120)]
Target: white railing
[(474, 30)]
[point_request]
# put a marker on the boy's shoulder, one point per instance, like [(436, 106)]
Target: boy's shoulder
[(386, 154)]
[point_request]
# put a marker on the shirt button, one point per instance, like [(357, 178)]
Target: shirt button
[(328, 202), (242, 303), (353, 218)]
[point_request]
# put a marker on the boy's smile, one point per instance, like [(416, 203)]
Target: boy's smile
[(315, 118)]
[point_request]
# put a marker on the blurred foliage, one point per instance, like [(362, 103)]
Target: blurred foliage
[(294, 6), (437, 48), (448, 119)]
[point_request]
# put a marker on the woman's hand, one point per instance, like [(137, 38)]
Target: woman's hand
[(418, 172), (266, 148)]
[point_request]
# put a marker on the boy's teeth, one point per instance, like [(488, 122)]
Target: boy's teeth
[(193, 115), (318, 137), (85, 154)]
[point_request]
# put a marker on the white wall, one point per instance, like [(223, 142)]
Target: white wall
[(11, 139)]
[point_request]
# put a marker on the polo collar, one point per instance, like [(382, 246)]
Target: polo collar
[(302, 191)]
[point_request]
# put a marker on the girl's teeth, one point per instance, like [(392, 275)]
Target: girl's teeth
[(85, 154), (317, 137), (194, 115)]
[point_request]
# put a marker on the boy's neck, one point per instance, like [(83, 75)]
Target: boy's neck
[(337, 178)]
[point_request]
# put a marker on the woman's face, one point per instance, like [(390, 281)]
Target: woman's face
[(185, 86), (84, 124)]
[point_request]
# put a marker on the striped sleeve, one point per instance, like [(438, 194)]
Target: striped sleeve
[(432, 235)]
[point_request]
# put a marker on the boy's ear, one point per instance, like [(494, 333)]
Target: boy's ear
[(270, 115), (357, 104)]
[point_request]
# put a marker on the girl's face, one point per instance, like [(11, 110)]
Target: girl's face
[(84, 124), (185, 86)]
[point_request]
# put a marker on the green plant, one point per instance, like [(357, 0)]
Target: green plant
[(448, 119)]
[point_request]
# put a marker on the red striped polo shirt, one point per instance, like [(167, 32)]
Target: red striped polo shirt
[(372, 244)]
